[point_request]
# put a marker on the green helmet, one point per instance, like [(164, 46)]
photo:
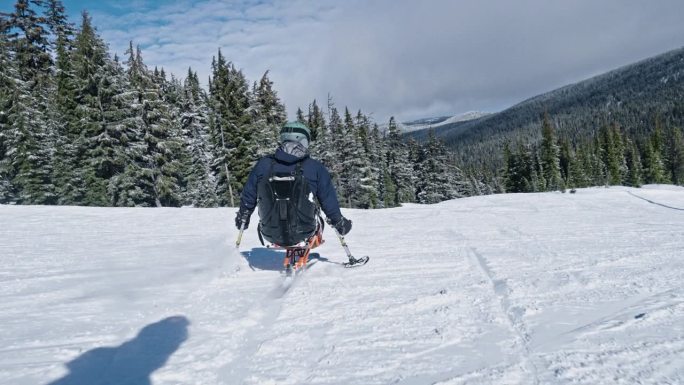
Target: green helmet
[(295, 132)]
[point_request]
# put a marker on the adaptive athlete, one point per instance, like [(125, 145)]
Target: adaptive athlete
[(284, 185)]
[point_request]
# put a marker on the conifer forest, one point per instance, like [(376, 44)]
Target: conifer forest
[(80, 126)]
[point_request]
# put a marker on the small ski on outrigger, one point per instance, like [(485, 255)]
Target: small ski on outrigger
[(353, 262)]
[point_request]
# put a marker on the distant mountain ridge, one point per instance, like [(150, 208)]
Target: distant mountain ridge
[(435, 122), (631, 96)]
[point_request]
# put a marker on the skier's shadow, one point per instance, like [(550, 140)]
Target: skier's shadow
[(132, 362), (263, 258)]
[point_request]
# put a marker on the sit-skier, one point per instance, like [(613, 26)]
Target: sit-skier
[(284, 185)]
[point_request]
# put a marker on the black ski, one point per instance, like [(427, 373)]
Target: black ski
[(356, 262)]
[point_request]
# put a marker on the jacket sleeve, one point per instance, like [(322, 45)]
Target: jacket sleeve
[(327, 196), (248, 199)]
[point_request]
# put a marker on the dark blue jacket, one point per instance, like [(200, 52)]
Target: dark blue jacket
[(313, 171)]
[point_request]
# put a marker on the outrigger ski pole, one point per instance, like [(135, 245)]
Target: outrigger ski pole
[(239, 238), (353, 262)]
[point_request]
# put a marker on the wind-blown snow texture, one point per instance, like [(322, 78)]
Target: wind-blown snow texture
[(509, 289)]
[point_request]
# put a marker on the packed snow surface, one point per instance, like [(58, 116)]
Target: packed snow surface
[(549, 288)]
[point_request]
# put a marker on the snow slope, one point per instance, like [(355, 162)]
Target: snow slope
[(422, 124), (425, 123), (510, 289)]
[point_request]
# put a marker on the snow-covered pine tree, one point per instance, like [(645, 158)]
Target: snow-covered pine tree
[(320, 137), (511, 171), (267, 114), (579, 163), (332, 157), (438, 180), (522, 173), (79, 104), (29, 143), (377, 153), (399, 166), (63, 106), (654, 169), (315, 120), (232, 142), (598, 170), (613, 153), (194, 120), (483, 183), (368, 192), (154, 176), (300, 116), (172, 94), (565, 155), (8, 74), (350, 158), (458, 183), (413, 150), (537, 180), (674, 154), (58, 23), (634, 168), (550, 157)]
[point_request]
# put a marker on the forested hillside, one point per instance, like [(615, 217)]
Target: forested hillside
[(632, 97), (620, 128), (79, 126)]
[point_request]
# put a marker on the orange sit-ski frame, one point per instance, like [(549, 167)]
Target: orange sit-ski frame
[(297, 256)]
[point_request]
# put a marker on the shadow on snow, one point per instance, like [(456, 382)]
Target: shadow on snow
[(263, 258), (132, 362)]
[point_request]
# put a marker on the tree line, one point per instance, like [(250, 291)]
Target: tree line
[(612, 156), (80, 127)]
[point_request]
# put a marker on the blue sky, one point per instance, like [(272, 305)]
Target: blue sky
[(405, 58)]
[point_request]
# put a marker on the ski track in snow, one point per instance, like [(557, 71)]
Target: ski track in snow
[(501, 291), (512, 289)]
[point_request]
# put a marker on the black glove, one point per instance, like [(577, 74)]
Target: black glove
[(343, 226), (243, 215)]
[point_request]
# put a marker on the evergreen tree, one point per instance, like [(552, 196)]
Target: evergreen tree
[(550, 157), (654, 169), (634, 173), (522, 170), (28, 141), (613, 153), (154, 177), (320, 137), (80, 105), (315, 120), (597, 167), (510, 170), (194, 120), (577, 175), (565, 157), (332, 158), (437, 179), (674, 154), (231, 131), (376, 155), (268, 115), (369, 190), (399, 166), (350, 158), (300, 116), (8, 75), (60, 27)]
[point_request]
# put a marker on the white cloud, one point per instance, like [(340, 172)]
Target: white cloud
[(401, 57)]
